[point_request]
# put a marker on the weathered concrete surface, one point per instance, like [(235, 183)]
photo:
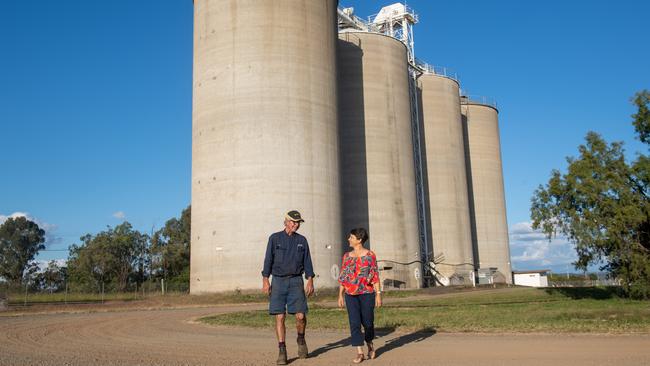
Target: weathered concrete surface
[(444, 166), (377, 170), (169, 337), (264, 136), (487, 192)]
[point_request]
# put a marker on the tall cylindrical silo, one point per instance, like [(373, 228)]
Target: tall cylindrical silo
[(444, 166), (377, 169), (264, 136), (483, 149)]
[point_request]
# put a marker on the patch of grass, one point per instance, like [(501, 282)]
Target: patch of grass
[(18, 298), (175, 298), (507, 310)]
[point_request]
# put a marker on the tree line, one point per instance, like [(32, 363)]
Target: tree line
[(119, 258)]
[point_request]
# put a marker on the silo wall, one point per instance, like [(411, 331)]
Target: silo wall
[(376, 149), (483, 149), (264, 137), (444, 164)]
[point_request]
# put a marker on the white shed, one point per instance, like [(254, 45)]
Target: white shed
[(532, 278)]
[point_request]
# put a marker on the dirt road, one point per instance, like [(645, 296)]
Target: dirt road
[(169, 337)]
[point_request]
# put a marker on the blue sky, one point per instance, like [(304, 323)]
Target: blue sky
[(95, 101)]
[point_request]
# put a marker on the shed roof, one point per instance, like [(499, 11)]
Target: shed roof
[(532, 271)]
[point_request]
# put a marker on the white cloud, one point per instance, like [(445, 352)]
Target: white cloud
[(531, 248), (119, 215), (523, 232), (4, 218), (50, 229), (42, 264)]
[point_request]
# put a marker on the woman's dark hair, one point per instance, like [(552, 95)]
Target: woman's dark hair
[(361, 234)]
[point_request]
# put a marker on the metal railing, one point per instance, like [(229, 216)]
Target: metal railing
[(436, 70), (478, 99)]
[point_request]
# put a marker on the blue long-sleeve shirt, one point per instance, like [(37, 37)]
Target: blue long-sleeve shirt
[(287, 256)]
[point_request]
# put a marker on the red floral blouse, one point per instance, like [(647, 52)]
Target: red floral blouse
[(358, 274)]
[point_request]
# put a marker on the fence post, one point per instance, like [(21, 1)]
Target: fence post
[(162, 285), (25, 303), (102, 292), (65, 297)]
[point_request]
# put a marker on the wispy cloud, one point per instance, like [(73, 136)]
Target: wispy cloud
[(51, 236), (531, 248), (119, 215), (42, 263)]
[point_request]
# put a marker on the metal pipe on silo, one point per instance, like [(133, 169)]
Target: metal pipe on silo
[(264, 136), (444, 164), (487, 197), (376, 150)]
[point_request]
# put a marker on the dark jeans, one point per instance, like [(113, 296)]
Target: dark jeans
[(361, 311)]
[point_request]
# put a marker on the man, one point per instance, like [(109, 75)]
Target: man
[(287, 258)]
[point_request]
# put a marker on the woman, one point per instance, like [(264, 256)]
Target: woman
[(359, 280)]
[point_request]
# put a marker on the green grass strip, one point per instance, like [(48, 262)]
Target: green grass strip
[(509, 310)]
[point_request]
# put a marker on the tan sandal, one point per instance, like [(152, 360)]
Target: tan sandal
[(359, 358), (371, 351)]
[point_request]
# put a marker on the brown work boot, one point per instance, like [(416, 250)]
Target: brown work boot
[(302, 348), (282, 355)]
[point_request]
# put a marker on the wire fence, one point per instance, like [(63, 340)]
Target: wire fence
[(584, 283), (74, 294)]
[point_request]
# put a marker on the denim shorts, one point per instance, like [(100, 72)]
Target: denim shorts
[(287, 295)]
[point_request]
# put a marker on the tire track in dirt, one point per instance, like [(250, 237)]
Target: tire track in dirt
[(133, 337), (170, 337)]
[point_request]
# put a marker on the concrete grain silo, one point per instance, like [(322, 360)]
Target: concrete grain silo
[(264, 136), (377, 169), (443, 158), (487, 198)]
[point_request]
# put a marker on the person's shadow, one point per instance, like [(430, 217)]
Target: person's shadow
[(347, 342), (417, 336), (330, 346)]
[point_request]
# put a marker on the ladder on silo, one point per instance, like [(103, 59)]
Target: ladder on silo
[(414, 73)]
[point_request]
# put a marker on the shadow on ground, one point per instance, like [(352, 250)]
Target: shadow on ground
[(577, 293), (391, 344), (347, 342), (330, 346), (405, 339)]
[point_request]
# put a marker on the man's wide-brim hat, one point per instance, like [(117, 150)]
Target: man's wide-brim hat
[(294, 216)]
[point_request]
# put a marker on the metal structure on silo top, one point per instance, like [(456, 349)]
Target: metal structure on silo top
[(264, 137), (377, 170), (487, 197), (446, 180)]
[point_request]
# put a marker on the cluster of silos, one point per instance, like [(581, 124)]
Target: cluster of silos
[(287, 116)]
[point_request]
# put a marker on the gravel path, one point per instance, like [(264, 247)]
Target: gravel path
[(170, 337)]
